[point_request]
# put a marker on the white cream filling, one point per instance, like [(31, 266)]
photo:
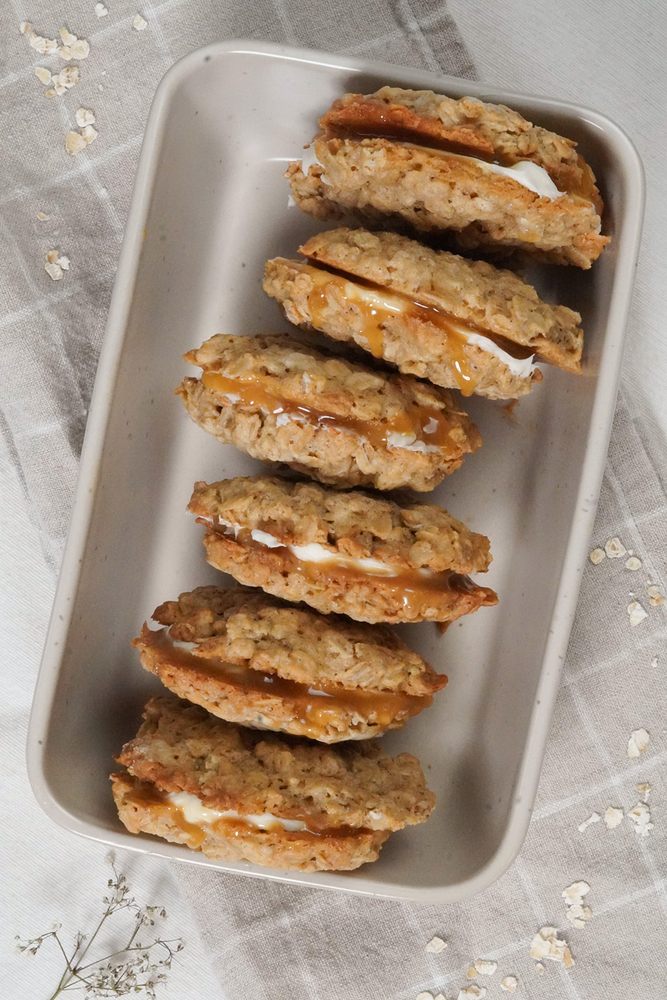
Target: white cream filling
[(410, 442), (196, 812), (389, 302), (179, 644)]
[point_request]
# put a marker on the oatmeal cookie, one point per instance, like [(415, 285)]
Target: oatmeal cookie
[(237, 794), (343, 552), (282, 401), (480, 170), (249, 658)]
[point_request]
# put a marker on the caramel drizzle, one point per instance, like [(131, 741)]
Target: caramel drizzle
[(454, 331), (406, 585), (424, 423), (315, 707), (149, 796)]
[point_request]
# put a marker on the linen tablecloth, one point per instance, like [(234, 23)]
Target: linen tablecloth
[(270, 940)]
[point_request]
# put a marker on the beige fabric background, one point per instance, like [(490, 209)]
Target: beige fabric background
[(263, 939)]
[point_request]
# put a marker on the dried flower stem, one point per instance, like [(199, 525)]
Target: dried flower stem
[(135, 968)]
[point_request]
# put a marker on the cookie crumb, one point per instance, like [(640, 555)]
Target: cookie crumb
[(436, 945), (612, 817), (593, 818), (637, 613), (509, 984), (640, 815), (638, 742), (547, 944), (596, 556), (614, 548), (139, 22), (633, 563)]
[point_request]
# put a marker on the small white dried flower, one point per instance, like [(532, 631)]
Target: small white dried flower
[(596, 556), (637, 613), (614, 548), (638, 742), (139, 23)]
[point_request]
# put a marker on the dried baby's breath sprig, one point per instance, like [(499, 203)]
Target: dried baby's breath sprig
[(137, 968)]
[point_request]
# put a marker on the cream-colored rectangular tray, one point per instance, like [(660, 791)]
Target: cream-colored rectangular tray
[(209, 207)]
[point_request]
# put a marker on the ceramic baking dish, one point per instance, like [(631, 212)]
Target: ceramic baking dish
[(209, 207)]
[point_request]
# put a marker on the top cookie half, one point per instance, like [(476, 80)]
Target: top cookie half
[(478, 169)]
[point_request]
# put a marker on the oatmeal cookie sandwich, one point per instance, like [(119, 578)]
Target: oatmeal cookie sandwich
[(437, 163), (286, 402), (239, 795), (459, 323), (249, 658), (343, 552)]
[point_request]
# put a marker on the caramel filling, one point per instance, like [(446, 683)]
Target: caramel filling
[(409, 587), (148, 796), (315, 709), (378, 305), (415, 423)]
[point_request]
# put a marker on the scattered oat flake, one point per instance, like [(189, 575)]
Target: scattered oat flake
[(644, 789), (485, 966), (50, 92), (576, 892), (74, 143), (596, 556), (42, 217), (43, 75), (640, 815), (101, 10), (139, 22), (654, 661), (593, 818), (471, 991), (45, 46), (655, 597), (509, 984), (578, 915), (67, 78), (64, 263), (24, 27), (633, 563), (638, 742), (614, 548), (547, 944), (471, 972), (539, 968), (67, 37), (84, 117), (637, 613), (436, 945), (613, 816), (425, 996), (89, 133)]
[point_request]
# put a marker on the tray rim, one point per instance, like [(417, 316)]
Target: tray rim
[(565, 602)]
